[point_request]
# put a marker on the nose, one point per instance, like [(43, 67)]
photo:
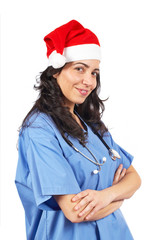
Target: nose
[(89, 79)]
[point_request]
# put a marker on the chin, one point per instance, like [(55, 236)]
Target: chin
[(80, 102)]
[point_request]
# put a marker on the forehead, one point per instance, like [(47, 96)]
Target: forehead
[(93, 63), (89, 63)]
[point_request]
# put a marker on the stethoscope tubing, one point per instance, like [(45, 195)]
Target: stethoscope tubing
[(112, 153)]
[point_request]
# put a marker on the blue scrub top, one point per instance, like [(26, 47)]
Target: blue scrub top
[(48, 166)]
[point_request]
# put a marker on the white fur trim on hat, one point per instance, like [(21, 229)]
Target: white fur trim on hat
[(75, 53)]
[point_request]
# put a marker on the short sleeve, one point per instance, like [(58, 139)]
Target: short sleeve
[(50, 172), (126, 158)]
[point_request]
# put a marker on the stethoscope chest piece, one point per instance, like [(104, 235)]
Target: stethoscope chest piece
[(114, 154)]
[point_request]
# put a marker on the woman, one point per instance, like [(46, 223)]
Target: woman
[(70, 182)]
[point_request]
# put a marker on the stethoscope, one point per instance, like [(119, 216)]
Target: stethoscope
[(112, 153)]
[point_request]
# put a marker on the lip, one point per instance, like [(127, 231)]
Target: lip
[(83, 92)]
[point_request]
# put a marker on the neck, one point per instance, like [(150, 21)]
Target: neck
[(78, 120), (70, 106), (71, 109)]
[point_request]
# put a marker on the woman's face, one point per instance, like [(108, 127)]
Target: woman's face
[(77, 80)]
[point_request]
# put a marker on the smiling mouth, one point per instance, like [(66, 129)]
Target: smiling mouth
[(83, 92)]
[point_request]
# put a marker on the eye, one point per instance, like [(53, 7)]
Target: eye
[(95, 74), (79, 69)]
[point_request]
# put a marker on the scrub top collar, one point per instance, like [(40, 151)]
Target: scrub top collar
[(85, 128)]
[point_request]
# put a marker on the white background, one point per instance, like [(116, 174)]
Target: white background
[(129, 32)]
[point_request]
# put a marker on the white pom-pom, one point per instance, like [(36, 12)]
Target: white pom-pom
[(57, 60)]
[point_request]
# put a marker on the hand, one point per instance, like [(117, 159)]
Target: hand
[(92, 201), (119, 174)]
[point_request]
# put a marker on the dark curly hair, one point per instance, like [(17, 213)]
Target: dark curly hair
[(51, 102)]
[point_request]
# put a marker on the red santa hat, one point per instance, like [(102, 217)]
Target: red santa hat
[(71, 42)]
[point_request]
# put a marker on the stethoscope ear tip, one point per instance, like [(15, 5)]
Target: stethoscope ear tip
[(114, 154)]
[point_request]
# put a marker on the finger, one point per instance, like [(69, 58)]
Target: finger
[(87, 209), (122, 173), (94, 210), (82, 203), (118, 172), (80, 195)]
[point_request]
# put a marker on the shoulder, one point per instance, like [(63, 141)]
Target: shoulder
[(39, 119), (39, 125), (108, 138)]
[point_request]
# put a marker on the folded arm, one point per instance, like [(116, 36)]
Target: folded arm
[(68, 207), (91, 205), (69, 203), (98, 200)]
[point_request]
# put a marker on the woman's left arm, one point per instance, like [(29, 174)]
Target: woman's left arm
[(97, 200), (128, 185)]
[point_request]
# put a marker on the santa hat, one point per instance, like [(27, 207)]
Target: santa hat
[(71, 42)]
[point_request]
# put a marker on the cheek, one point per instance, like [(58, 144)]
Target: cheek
[(61, 80), (65, 85), (68, 80), (94, 84)]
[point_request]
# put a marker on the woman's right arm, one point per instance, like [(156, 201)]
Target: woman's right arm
[(67, 206)]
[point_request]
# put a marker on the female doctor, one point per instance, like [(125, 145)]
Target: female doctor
[(71, 176)]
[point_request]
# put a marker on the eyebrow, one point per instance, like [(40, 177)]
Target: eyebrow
[(87, 66)]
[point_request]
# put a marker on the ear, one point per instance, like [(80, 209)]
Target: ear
[(56, 75)]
